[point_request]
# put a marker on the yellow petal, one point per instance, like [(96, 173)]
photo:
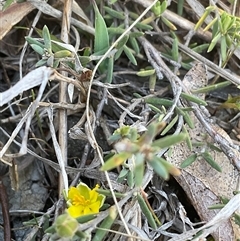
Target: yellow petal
[(76, 211), (84, 190), (72, 192)]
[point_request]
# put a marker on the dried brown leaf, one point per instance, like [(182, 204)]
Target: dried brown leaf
[(13, 15)]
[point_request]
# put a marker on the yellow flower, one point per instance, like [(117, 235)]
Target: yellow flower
[(82, 200)]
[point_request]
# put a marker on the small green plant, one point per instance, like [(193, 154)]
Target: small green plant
[(44, 47), (225, 30), (134, 151)]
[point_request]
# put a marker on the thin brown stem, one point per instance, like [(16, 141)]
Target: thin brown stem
[(5, 212)]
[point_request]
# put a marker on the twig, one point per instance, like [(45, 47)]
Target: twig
[(5, 211), (62, 114)]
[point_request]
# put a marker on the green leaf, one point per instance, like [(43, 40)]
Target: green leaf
[(236, 219), (62, 54), (41, 62), (47, 38), (106, 224), (188, 120), (139, 169), (129, 54), (214, 42), (85, 218), (134, 44), (130, 181), (37, 49), (170, 168), (114, 13), (110, 70), (158, 167), (208, 158), (175, 49), (101, 40), (194, 99), (223, 47), (170, 125), (144, 73), (168, 23), (34, 41), (187, 162), (188, 139), (146, 211), (152, 82), (122, 42), (115, 161), (122, 175), (169, 140)]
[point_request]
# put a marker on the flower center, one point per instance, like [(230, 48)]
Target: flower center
[(80, 200)]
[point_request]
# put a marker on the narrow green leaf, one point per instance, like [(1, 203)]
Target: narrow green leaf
[(115, 31), (34, 41), (146, 211), (143, 26), (41, 62), (223, 47), (169, 126), (210, 25), (105, 225), (139, 169), (158, 167), (144, 73), (152, 130), (122, 42), (114, 13), (158, 101), (203, 17), (175, 49), (214, 42), (188, 139), (110, 70), (129, 54), (209, 159), (115, 161), (187, 162), (123, 173), (168, 23), (86, 218), (134, 44), (169, 140), (200, 48), (37, 49), (62, 54), (180, 5), (108, 193), (101, 40), (236, 219), (216, 206), (170, 168), (118, 53), (152, 82), (136, 34), (130, 181), (212, 87), (47, 38), (187, 118), (194, 99)]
